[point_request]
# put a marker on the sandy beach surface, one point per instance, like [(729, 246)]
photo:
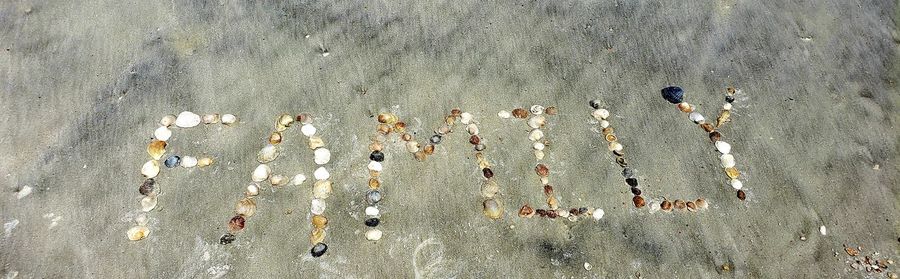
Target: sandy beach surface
[(814, 131)]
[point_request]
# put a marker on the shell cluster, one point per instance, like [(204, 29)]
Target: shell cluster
[(536, 119), (726, 159), (157, 149)]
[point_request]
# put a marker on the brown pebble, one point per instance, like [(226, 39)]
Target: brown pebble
[(420, 156), (474, 139), (551, 111), (406, 137), (706, 126), (429, 149), (456, 112), (741, 195), (573, 211), (715, 136), (236, 223), (542, 170), (520, 113), (679, 204), (488, 173), (275, 138), (691, 206), (636, 191), (548, 190), (666, 205), (638, 201), (374, 184), (526, 211)]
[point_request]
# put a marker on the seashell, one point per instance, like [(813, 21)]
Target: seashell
[(537, 121), (666, 205), (187, 119), (741, 195), (304, 118), (167, 120), (429, 149), (736, 184), (536, 135), (472, 129), (600, 114), (539, 154), (492, 209), (542, 170), (142, 219), (188, 162), (551, 111), (322, 189), (137, 233), (374, 183), (420, 156), (399, 127), (148, 203), (474, 139), (227, 238), (261, 173), (315, 142), (373, 197), (732, 172), (322, 156), (596, 104), (246, 207), (318, 250), (526, 211), (604, 124), (374, 235), (172, 161), (162, 133), (723, 147), (545, 180), (321, 174), (696, 117), (308, 130), (520, 113), (552, 202), (374, 166), (615, 146), (435, 139), (621, 161), (372, 211), (147, 187), (679, 204), (562, 213), (673, 94), (691, 206), (284, 120), (156, 149), (598, 214), (727, 160), (638, 201), (383, 129), (278, 180), (537, 109), (317, 207), (538, 146), (150, 169), (204, 162), (229, 119), (252, 190), (280, 128), (685, 107), (714, 136), (480, 147), (317, 236), (504, 114), (489, 188), (487, 172), (412, 146), (726, 106), (707, 127), (724, 116), (611, 138), (298, 179), (267, 154), (319, 221), (275, 138), (607, 131), (701, 203), (388, 118), (466, 118), (211, 118), (236, 223)]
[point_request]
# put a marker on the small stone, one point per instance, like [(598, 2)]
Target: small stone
[(229, 119), (696, 117), (317, 206), (729, 99), (148, 203), (480, 147), (372, 211), (638, 201), (596, 104), (308, 130), (147, 187), (278, 180), (172, 161), (375, 166), (227, 239), (520, 113), (210, 118), (726, 106), (727, 160), (723, 147), (322, 189), (538, 146), (504, 114), (245, 207), (321, 174), (636, 191), (474, 139), (526, 211), (267, 154), (435, 139), (372, 222), (631, 181), (492, 209), (321, 156), (167, 120), (600, 114), (542, 170), (673, 94), (536, 135), (376, 156), (156, 149), (374, 235), (466, 118), (162, 133), (204, 162), (188, 162), (187, 119), (318, 250), (261, 173), (373, 197), (236, 223), (150, 169), (598, 214), (137, 233)]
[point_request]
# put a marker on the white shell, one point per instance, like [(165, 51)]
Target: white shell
[(538, 146), (267, 154), (321, 173), (229, 119), (536, 134), (600, 114), (187, 119), (162, 133), (696, 117), (308, 130), (188, 161), (723, 147), (277, 180), (372, 211), (167, 120), (412, 146), (736, 184), (562, 213), (466, 118), (537, 109), (322, 189), (504, 114), (261, 173), (472, 129), (615, 146), (538, 154), (150, 169), (537, 121), (148, 203), (604, 124), (598, 214), (374, 234), (322, 156), (726, 106), (317, 207), (375, 166), (252, 190), (298, 179), (727, 160)]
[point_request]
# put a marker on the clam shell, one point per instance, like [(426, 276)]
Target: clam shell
[(285, 120), (538, 146), (298, 179), (229, 119), (162, 133), (211, 118), (267, 154), (275, 138), (188, 162), (504, 114), (537, 109), (724, 115), (388, 118), (204, 162), (604, 124), (489, 188), (526, 211), (374, 234), (315, 142), (246, 207), (727, 160), (261, 173), (539, 154), (412, 146), (537, 121), (321, 174), (375, 166), (372, 211), (156, 149), (322, 156), (187, 119), (150, 169), (252, 190), (167, 120), (600, 114), (492, 209), (308, 130), (317, 236), (319, 221), (615, 146), (317, 207), (466, 118), (137, 233), (723, 147), (736, 184), (278, 180), (536, 135), (598, 214), (148, 203), (696, 117), (472, 129), (322, 189), (520, 113)]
